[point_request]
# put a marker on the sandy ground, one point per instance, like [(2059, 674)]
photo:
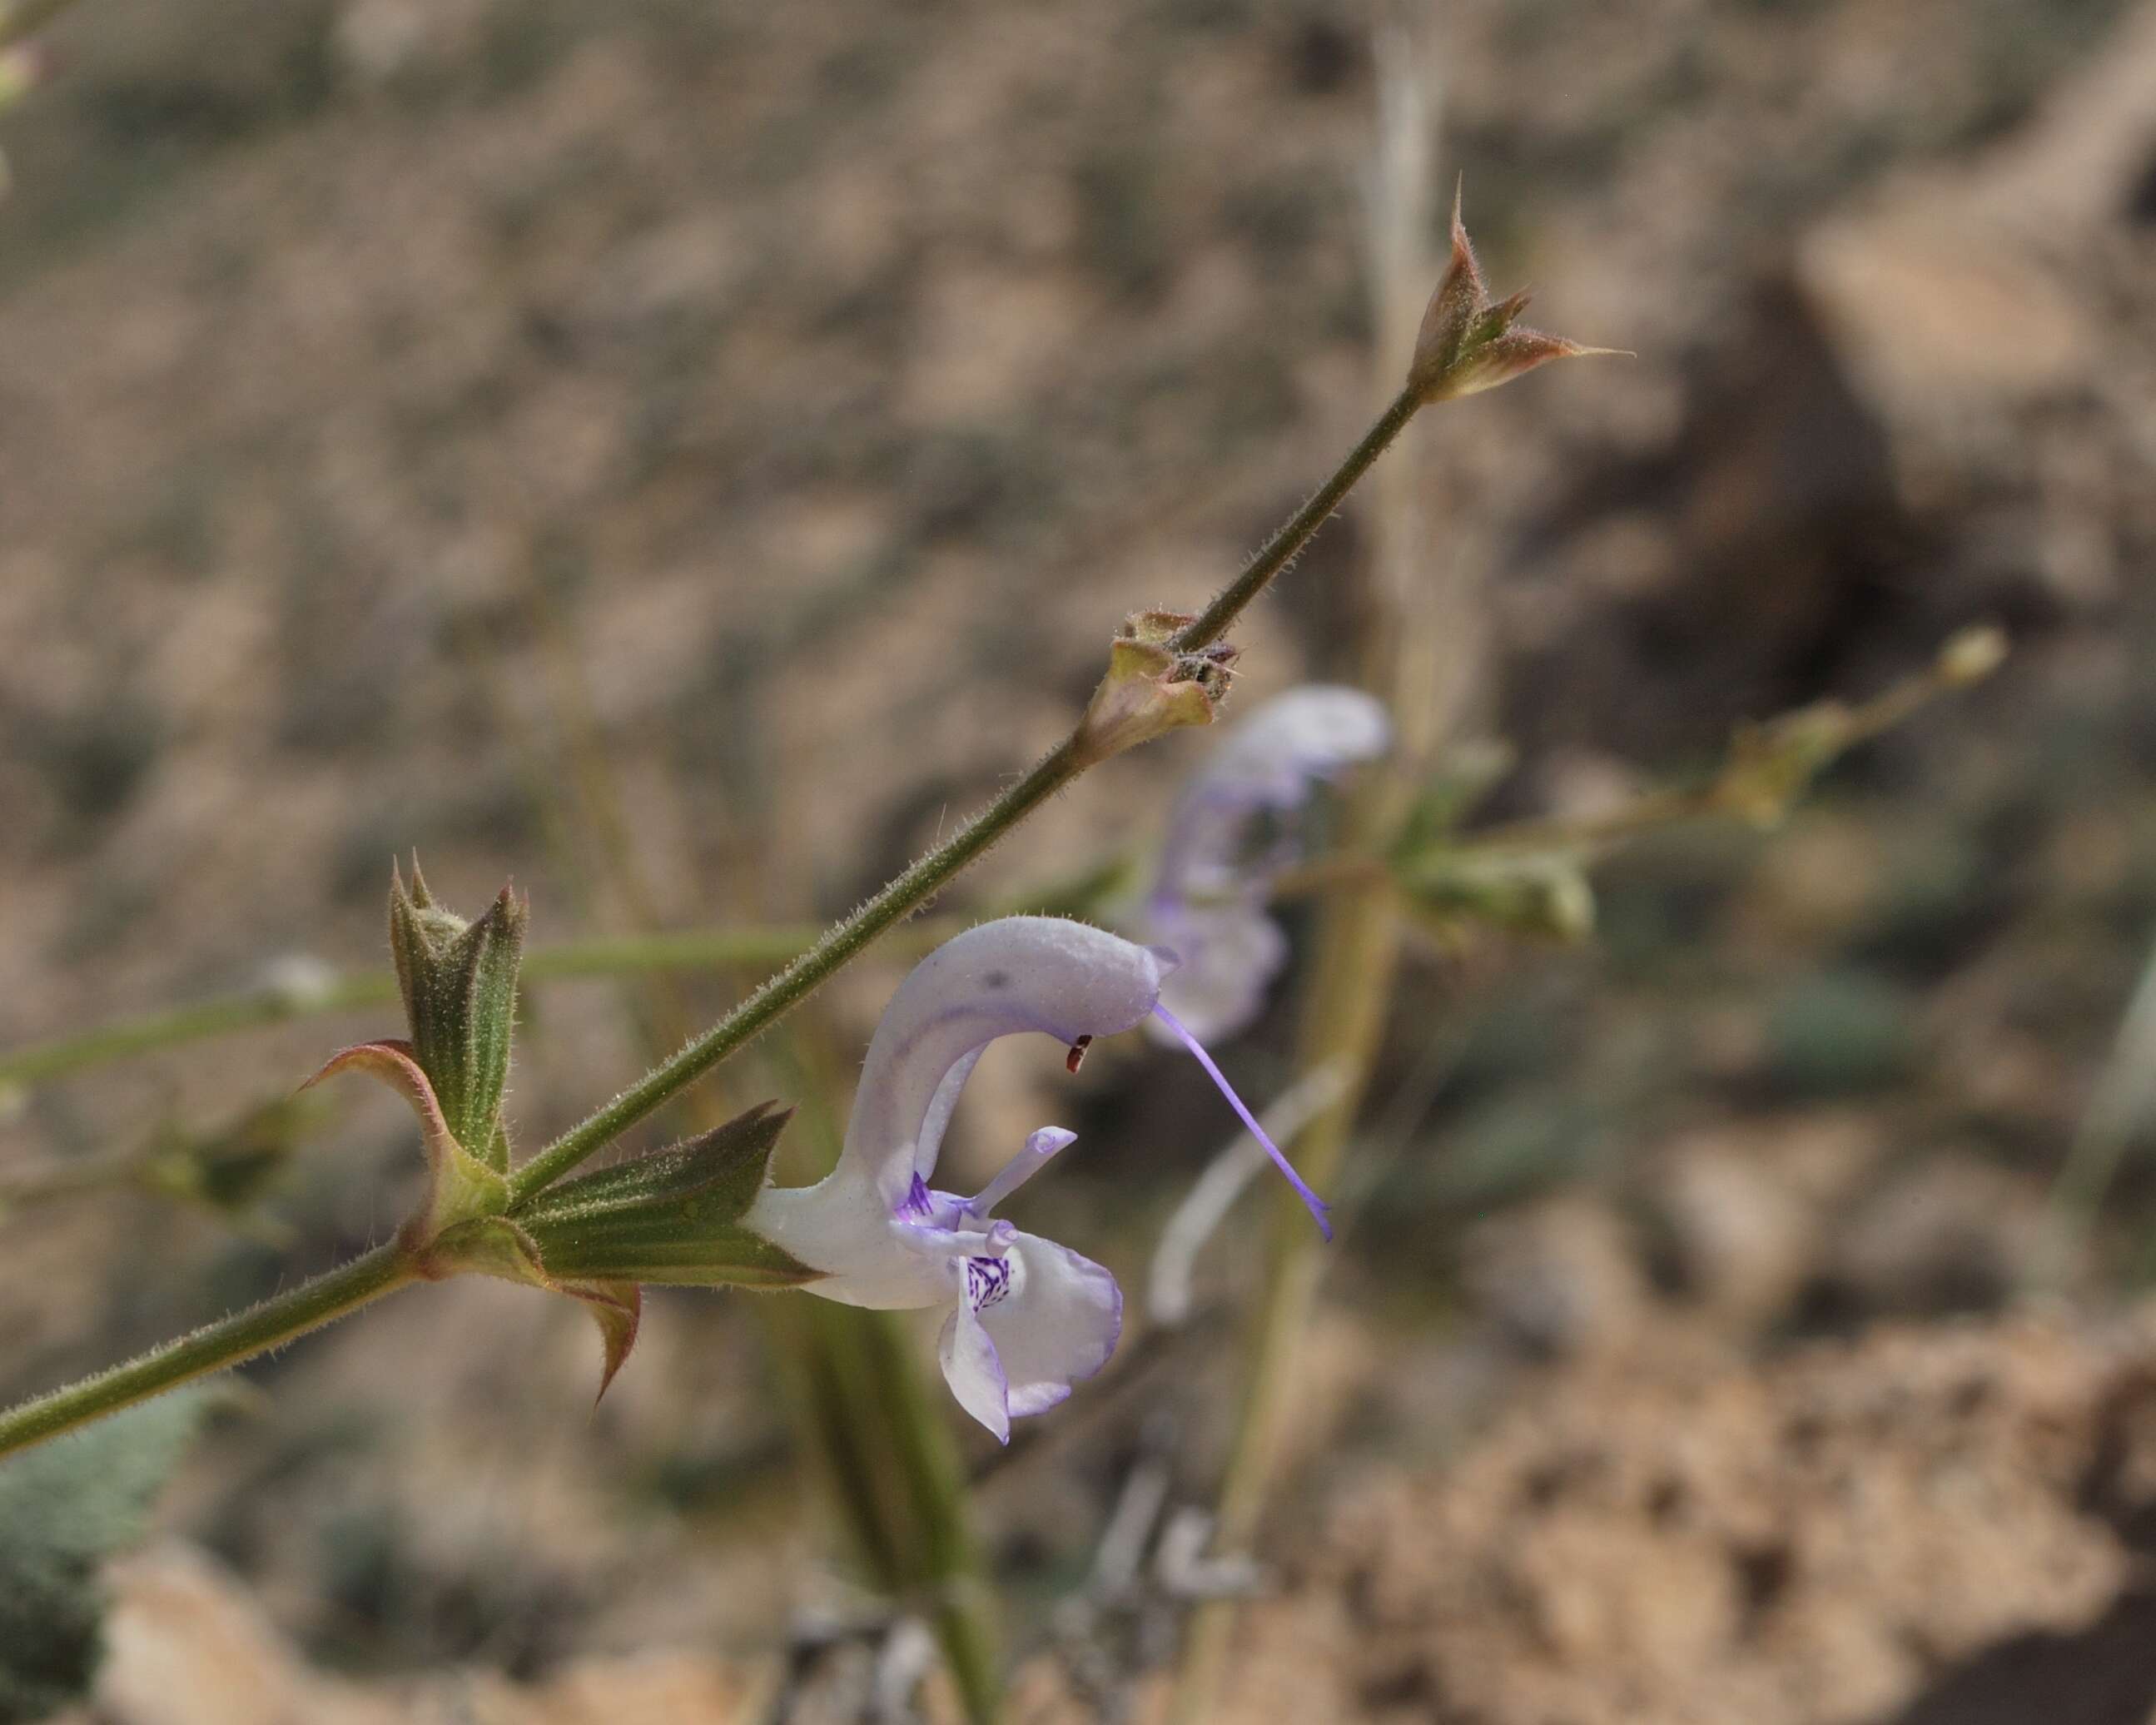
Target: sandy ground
[(401, 403)]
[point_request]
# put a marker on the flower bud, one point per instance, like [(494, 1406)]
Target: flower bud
[(1972, 655), (459, 981), (1150, 687), (1541, 893), (1467, 344)]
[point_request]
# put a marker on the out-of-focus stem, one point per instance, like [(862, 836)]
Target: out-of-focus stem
[(1357, 937), (2117, 1107), (858, 1403), (20, 18), (691, 949)]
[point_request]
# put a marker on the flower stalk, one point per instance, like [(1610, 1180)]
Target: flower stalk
[(228, 1341), (930, 873), (367, 1278)]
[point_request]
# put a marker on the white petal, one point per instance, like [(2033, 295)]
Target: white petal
[(841, 1226), (973, 1372), (1045, 973), (1060, 1322), (929, 1145)]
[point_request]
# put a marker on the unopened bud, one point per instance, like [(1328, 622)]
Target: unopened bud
[(1972, 655), (459, 981), (1150, 687), (1467, 343)]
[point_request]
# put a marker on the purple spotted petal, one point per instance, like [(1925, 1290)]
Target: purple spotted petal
[(1061, 1323), (1026, 1328)]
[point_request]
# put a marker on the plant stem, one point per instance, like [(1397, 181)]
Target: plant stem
[(1643, 814), (239, 1337), (173, 1027), (19, 18), (2116, 1108), (1358, 939), (839, 946), (930, 873), (210, 1349), (1298, 530), (814, 959), (146, 1033), (858, 1400)]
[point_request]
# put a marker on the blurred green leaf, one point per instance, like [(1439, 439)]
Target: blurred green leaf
[(63, 1510)]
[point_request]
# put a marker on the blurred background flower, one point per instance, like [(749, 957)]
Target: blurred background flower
[(687, 455)]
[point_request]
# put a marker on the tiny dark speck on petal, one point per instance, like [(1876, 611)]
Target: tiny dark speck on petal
[(996, 979)]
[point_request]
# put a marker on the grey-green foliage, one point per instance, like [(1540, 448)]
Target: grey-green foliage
[(63, 1509)]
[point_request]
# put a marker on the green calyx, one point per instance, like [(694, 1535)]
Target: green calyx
[(672, 1217), (458, 981)]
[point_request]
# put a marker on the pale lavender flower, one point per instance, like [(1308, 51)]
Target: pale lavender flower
[(1230, 832), (1028, 1317)]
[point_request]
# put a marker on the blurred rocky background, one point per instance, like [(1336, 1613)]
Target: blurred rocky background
[(753, 419)]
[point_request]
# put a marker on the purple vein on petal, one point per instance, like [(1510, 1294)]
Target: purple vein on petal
[(1316, 1205)]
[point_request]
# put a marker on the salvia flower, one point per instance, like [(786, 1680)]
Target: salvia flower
[(1028, 1317), (1231, 832)]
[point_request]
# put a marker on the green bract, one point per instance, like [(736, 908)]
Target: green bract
[(459, 981)]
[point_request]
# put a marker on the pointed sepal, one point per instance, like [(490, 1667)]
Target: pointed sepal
[(672, 1217), (1467, 343), (617, 1307), (1150, 687), (500, 1247), (460, 1187), (458, 983)]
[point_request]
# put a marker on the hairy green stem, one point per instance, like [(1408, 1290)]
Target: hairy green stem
[(1298, 530), (858, 1401), (210, 1349), (839, 946), (330, 1297), (928, 873)]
